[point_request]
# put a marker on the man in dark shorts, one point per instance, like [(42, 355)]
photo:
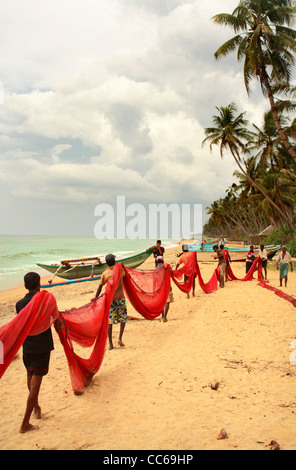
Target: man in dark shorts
[(158, 252), (36, 354), (250, 258), (182, 260), (263, 257)]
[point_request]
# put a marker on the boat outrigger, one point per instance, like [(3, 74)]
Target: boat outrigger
[(90, 267)]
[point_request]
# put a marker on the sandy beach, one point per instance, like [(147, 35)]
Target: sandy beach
[(155, 393)]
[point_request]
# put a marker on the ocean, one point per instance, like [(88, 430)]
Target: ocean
[(20, 253)]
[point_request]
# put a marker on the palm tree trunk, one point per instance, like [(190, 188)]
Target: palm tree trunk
[(275, 114), (289, 222), (279, 210)]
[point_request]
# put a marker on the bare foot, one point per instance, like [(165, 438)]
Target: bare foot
[(121, 344), (28, 427), (110, 346), (38, 412)]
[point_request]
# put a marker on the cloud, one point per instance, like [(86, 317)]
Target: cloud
[(78, 183), (162, 8), (103, 100)]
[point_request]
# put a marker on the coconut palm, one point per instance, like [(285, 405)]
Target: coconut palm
[(266, 43), (266, 140), (230, 133), (215, 223), (234, 215), (282, 195), (245, 185)]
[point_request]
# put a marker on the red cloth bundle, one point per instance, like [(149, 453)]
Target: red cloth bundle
[(88, 326), (148, 291), (40, 313), (249, 276)]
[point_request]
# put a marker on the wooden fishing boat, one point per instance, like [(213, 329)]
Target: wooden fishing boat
[(236, 254), (209, 241), (234, 243), (89, 267)]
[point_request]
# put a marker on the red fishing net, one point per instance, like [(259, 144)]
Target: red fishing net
[(148, 291), (257, 265), (87, 326), (279, 292), (191, 270), (211, 285), (40, 313)]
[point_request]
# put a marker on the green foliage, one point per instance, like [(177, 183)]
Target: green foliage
[(266, 157), (263, 39), (281, 236)]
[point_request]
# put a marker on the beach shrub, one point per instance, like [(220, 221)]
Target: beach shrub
[(282, 237)]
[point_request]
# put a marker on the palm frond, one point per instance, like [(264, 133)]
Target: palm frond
[(282, 14), (228, 47), (226, 19)]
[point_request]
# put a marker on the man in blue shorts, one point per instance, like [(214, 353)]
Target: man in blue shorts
[(118, 312)]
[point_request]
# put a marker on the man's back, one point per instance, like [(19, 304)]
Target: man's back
[(184, 258), (119, 292), (41, 343)]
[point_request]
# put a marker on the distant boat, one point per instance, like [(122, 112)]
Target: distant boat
[(89, 267), (210, 241), (206, 252)]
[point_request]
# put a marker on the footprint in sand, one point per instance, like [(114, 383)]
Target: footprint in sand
[(292, 345)]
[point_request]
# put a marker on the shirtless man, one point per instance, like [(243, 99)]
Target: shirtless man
[(221, 265), (182, 260), (118, 312), (227, 259)]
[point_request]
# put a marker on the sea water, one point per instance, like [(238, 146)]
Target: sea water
[(19, 254)]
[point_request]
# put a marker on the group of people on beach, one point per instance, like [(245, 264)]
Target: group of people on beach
[(37, 349), (283, 260)]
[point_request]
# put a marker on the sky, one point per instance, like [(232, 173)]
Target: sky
[(108, 98)]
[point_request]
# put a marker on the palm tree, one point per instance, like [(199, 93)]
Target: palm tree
[(235, 216), (245, 185), (215, 223), (215, 211), (266, 140), (283, 196), (267, 44), (230, 133)]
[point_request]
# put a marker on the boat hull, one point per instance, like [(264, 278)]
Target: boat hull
[(235, 255), (87, 270)]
